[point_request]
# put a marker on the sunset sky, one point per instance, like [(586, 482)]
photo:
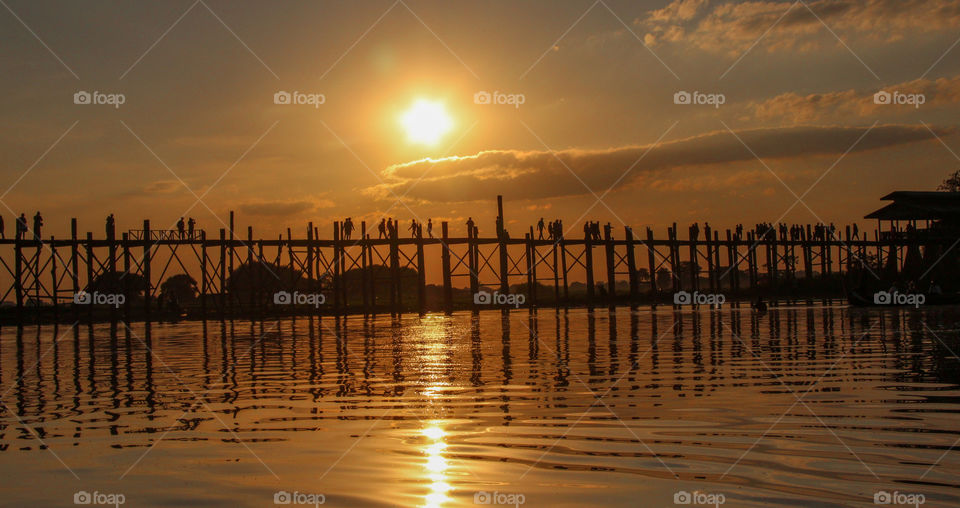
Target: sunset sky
[(598, 132)]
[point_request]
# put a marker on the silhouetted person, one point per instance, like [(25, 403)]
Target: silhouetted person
[(470, 226), (608, 231), (180, 228), (348, 228), (3, 236), (111, 224), (191, 227), (21, 226), (37, 224), (382, 228), (430, 228), (540, 228)]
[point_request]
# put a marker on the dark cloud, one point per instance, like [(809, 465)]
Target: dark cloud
[(539, 174)]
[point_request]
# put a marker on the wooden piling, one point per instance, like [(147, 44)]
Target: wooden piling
[(631, 266), (532, 268), (445, 262), (652, 262), (126, 270), (556, 276), (204, 285), (74, 263), (223, 271), (364, 272), (588, 260), (147, 276), (611, 267), (336, 268), (396, 295), (18, 274), (421, 275)]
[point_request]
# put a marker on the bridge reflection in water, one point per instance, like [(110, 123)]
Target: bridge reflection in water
[(806, 405)]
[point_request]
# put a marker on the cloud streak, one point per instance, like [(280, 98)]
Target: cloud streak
[(731, 27), (283, 208), (541, 174), (791, 107)]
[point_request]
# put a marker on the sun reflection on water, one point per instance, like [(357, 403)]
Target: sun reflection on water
[(436, 465)]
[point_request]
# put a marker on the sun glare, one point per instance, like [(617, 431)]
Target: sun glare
[(426, 122)]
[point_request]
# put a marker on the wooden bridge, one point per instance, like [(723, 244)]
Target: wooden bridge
[(46, 276)]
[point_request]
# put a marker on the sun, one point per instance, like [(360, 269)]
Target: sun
[(426, 122)]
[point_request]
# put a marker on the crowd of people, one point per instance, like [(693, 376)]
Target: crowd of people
[(795, 232), (553, 230), (387, 228), (22, 230), (185, 229)]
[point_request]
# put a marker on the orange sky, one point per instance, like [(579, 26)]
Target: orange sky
[(598, 135)]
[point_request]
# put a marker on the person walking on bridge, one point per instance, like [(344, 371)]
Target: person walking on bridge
[(348, 228), (37, 224), (110, 227), (180, 228), (540, 228), (21, 226), (191, 227)]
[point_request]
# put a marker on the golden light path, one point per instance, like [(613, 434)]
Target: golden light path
[(434, 360)]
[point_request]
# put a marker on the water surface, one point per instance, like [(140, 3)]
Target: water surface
[(798, 407)]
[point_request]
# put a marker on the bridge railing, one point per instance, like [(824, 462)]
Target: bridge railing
[(164, 234)]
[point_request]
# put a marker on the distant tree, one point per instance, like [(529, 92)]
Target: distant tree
[(267, 278), (129, 284), (181, 288), (664, 278), (951, 183), (643, 274)]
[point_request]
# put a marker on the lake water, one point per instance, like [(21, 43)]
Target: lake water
[(807, 406)]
